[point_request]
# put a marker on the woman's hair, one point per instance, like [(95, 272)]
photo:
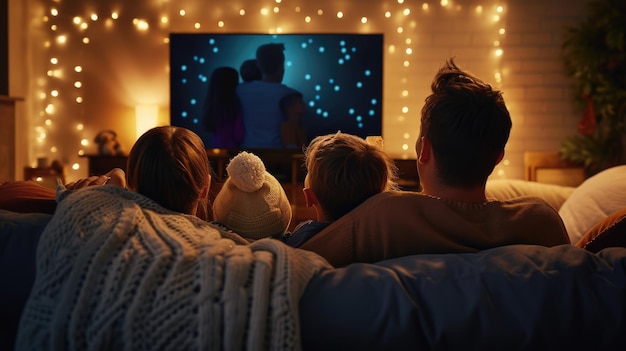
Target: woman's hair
[(221, 103), (170, 166), (344, 170)]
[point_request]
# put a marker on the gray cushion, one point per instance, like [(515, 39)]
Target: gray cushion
[(520, 297), (19, 236)]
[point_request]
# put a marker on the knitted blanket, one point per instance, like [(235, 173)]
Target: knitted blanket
[(117, 271)]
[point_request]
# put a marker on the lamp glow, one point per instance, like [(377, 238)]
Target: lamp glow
[(146, 117)]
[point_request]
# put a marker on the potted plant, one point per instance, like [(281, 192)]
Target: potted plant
[(594, 55)]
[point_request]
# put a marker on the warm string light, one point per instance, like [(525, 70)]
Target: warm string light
[(500, 170), (400, 19)]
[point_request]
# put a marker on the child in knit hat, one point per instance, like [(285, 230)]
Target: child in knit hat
[(252, 202)]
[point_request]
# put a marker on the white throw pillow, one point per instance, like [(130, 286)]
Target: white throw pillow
[(505, 189), (592, 201)]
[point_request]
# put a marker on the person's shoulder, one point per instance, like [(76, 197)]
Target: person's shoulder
[(304, 231), (528, 202), (399, 196), (249, 85), (391, 203), (531, 208), (538, 217), (282, 88)]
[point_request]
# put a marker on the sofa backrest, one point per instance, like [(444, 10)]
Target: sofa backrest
[(511, 297), (520, 297), (19, 236)]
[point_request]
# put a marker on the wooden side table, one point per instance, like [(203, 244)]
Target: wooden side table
[(7, 137), (100, 164), (218, 159), (548, 167), (46, 176)]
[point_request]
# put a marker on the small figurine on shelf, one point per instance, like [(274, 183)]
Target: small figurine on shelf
[(107, 143)]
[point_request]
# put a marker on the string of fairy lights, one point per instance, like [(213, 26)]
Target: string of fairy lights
[(61, 89)]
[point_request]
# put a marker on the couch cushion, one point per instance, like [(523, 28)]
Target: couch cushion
[(592, 201), (610, 232), (520, 297), (19, 236), (27, 196), (504, 189)]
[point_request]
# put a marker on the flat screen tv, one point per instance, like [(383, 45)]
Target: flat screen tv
[(339, 75)]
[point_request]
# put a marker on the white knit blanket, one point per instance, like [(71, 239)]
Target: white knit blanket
[(115, 271)]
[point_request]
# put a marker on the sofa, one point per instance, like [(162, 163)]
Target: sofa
[(518, 297)]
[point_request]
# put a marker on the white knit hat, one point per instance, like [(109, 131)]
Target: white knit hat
[(252, 202)]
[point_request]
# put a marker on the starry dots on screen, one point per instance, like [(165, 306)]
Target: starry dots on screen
[(340, 82)]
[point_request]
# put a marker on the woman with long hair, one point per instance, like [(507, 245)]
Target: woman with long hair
[(222, 111)]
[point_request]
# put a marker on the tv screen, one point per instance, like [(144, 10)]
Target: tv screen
[(339, 76)]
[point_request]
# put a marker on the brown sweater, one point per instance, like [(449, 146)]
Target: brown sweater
[(395, 224)]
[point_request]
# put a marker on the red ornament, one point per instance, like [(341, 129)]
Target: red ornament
[(588, 122)]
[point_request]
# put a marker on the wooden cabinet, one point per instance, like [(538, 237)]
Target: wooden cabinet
[(99, 165), (7, 137), (548, 167), (408, 179)]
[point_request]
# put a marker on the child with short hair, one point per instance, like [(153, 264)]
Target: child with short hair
[(292, 132), (343, 170), (252, 203), (250, 71)]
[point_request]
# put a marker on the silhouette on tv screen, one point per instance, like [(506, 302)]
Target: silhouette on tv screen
[(339, 77)]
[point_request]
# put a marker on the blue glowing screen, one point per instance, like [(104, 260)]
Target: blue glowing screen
[(339, 75)]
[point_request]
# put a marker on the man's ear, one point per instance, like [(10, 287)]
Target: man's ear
[(424, 150), (309, 197), (500, 157)]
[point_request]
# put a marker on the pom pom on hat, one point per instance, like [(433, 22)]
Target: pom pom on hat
[(252, 202), (246, 171)]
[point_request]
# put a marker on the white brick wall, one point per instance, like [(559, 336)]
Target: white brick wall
[(535, 86)]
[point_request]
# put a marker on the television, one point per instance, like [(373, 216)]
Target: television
[(339, 75)]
